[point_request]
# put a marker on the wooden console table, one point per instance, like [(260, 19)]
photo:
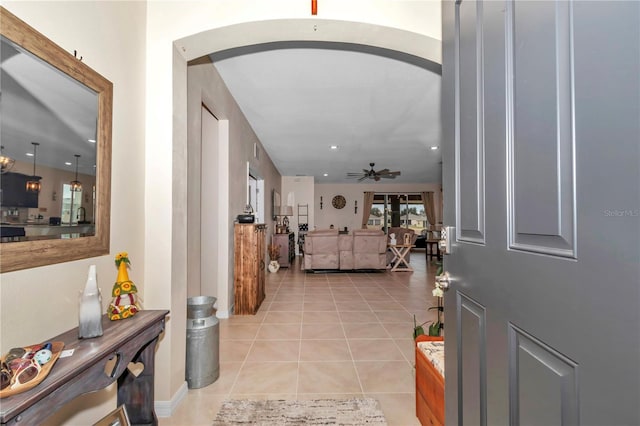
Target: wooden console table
[(123, 341)]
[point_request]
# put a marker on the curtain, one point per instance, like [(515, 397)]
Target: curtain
[(366, 208), (429, 208)]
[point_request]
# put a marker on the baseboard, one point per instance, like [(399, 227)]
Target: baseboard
[(166, 408)]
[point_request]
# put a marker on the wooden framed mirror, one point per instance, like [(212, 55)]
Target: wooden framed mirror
[(71, 242)]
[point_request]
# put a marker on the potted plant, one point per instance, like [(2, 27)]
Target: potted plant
[(435, 327), (274, 255)]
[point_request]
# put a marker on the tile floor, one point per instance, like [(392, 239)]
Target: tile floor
[(334, 335)]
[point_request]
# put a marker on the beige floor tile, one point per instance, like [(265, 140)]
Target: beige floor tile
[(375, 350), (353, 306), (248, 319), (348, 297), (267, 378), (374, 345), (399, 329), (365, 331), (228, 374), (320, 317), (286, 306), (318, 298), (234, 350), (358, 316), (284, 296), (316, 293), (386, 376), (238, 332), (274, 350), (394, 316), (196, 409), (319, 306), (322, 331), (263, 396), (283, 318), (278, 332), (399, 408), (407, 347), (308, 396), (328, 377), (387, 305), (324, 350)]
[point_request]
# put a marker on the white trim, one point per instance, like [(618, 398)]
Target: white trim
[(166, 408), (223, 314)]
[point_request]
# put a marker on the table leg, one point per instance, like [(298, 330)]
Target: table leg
[(401, 253), (136, 393)]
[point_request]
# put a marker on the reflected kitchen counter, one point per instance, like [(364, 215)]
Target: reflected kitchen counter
[(34, 231)]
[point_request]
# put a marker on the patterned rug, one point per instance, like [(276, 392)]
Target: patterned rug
[(347, 412)]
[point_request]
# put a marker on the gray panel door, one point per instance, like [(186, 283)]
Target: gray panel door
[(541, 104)]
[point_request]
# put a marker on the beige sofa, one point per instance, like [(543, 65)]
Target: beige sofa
[(362, 249)]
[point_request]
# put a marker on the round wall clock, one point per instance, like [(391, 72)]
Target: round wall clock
[(339, 202)]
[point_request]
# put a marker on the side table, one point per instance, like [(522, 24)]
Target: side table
[(130, 340), (399, 253)]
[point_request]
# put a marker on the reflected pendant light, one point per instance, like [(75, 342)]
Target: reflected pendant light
[(5, 162), (76, 186), (33, 184)]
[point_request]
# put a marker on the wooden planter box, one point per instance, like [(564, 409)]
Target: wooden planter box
[(429, 387)]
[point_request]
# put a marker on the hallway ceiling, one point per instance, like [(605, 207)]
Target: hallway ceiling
[(380, 109)]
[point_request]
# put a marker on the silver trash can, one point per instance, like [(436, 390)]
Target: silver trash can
[(203, 342)]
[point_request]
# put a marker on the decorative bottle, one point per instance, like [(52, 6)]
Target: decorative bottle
[(90, 310)]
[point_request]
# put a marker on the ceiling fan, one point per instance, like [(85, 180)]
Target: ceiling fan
[(372, 174)]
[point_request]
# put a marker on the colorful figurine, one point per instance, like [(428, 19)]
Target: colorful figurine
[(125, 300)]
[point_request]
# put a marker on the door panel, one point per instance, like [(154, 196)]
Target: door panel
[(470, 158), (540, 140), (473, 367), (542, 99), (537, 370)]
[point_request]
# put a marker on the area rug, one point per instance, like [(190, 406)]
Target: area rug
[(347, 412)]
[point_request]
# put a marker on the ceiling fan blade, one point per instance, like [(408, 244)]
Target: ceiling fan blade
[(388, 176), (362, 178), (376, 178), (354, 174), (382, 172)]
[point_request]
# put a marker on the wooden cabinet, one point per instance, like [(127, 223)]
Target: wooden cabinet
[(249, 267), (287, 248)]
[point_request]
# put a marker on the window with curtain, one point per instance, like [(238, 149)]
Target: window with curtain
[(404, 210)]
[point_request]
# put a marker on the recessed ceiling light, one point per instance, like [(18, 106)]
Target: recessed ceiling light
[(433, 148), (326, 174), (334, 147), (66, 163), (91, 140), (29, 154)]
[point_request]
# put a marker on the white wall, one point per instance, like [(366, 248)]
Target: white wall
[(39, 303), (206, 86), (346, 217)]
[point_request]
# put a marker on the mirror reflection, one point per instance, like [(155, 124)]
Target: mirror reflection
[(48, 132)]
